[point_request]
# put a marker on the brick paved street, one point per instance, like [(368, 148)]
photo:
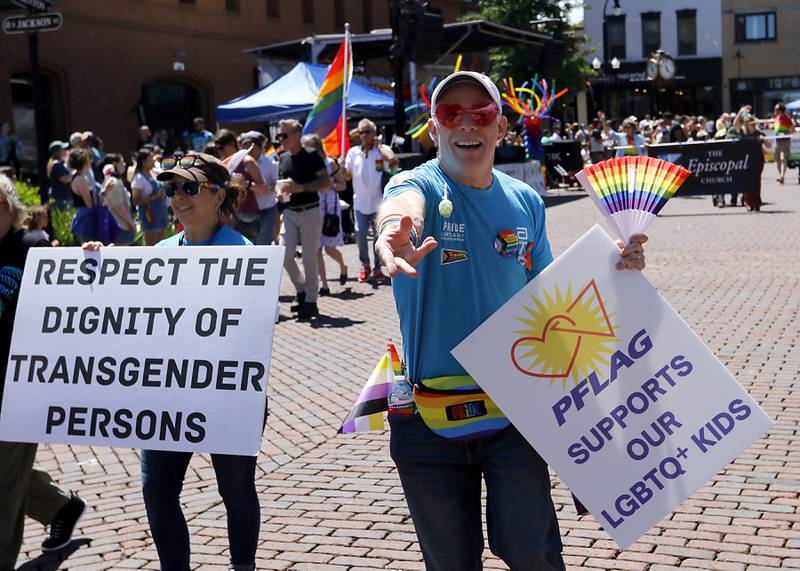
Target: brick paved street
[(334, 502)]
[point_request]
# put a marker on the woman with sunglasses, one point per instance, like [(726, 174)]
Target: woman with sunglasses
[(201, 193)]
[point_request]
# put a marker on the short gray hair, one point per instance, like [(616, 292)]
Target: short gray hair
[(293, 124), (9, 198), (368, 124)]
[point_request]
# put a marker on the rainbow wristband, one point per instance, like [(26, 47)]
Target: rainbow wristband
[(390, 219)]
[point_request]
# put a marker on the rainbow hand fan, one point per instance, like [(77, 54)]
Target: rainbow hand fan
[(631, 191)]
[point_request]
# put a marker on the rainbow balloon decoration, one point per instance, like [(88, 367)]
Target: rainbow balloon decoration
[(532, 102), (631, 191)]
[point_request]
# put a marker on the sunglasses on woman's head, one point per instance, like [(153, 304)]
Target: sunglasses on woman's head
[(181, 161), (189, 187), (451, 114)]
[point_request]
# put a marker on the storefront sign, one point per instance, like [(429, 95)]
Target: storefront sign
[(717, 167), (158, 348), (612, 388)]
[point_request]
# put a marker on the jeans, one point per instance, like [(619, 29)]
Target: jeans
[(162, 481), (302, 227), (363, 223), (267, 233), (442, 483)]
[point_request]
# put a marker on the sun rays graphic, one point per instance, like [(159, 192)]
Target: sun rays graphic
[(565, 337)]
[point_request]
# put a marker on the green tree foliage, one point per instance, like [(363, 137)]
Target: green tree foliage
[(515, 61)]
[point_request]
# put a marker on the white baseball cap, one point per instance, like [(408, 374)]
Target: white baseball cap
[(466, 76)]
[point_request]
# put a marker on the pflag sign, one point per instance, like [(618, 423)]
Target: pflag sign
[(33, 23)]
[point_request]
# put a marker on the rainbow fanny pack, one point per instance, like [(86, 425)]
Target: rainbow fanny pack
[(456, 407)]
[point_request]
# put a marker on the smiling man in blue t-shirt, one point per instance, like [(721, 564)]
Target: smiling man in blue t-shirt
[(484, 240)]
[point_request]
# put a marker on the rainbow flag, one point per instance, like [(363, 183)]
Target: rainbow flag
[(366, 413), (269, 152), (327, 110)]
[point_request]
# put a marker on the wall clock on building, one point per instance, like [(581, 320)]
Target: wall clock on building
[(666, 67), (651, 68)]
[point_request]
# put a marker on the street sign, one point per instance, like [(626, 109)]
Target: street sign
[(33, 23), (35, 5)]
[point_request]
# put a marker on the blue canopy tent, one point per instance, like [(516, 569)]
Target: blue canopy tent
[(793, 106), (294, 94)]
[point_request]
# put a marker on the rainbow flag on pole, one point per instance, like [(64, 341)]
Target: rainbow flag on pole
[(367, 412), (332, 98)]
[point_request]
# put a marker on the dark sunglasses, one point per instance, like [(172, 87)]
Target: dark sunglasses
[(282, 136), (181, 161), (189, 188), (367, 132), (451, 114)]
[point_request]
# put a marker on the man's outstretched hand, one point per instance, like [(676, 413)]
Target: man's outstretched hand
[(397, 252)]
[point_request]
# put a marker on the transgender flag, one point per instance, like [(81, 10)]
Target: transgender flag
[(330, 103), (367, 412)]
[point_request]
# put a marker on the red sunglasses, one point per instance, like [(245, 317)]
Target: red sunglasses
[(451, 114)]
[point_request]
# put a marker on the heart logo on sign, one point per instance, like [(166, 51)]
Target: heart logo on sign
[(565, 337)]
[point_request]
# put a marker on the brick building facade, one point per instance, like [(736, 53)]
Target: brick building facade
[(115, 64)]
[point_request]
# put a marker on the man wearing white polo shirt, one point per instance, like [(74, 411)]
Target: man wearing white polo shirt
[(365, 165)]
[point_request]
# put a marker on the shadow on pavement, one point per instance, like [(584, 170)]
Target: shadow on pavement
[(52, 560), (349, 294), (722, 212), (328, 322), (555, 200)]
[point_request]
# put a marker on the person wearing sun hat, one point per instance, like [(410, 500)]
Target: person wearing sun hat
[(460, 239)]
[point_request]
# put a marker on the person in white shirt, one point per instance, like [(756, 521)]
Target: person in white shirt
[(365, 164)]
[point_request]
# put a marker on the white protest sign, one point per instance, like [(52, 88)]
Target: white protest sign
[(157, 348), (612, 388)]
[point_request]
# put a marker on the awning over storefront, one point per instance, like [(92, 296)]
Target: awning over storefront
[(457, 37), (293, 95)]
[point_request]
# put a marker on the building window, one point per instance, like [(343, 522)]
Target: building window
[(232, 5), (651, 32), (755, 27), (367, 12), (615, 30), (308, 11), (687, 32), (273, 9), (338, 14)]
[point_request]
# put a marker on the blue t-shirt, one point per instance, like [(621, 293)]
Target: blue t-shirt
[(465, 280), (225, 236)]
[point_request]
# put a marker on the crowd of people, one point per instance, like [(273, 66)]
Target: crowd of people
[(209, 192), (292, 193), (225, 189), (604, 138)]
